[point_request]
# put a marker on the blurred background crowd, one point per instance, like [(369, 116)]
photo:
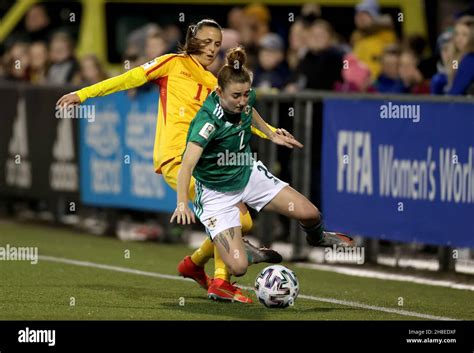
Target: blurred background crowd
[(309, 53)]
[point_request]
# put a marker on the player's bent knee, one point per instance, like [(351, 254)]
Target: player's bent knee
[(239, 271), (238, 268)]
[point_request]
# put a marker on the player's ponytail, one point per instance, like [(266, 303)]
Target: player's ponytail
[(192, 44), (234, 70)]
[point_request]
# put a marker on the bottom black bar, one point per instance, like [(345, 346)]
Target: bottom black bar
[(338, 336)]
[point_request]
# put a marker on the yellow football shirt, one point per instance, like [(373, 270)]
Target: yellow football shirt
[(184, 85)]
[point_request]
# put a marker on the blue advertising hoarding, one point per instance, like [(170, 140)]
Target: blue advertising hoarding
[(399, 170), (116, 154)]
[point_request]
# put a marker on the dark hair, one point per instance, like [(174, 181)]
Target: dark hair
[(392, 49), (325, 24), (192, 44), (234, 70)]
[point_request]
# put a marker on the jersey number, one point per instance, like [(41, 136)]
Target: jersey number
[(241, 134), (198, 94), (265, 171)]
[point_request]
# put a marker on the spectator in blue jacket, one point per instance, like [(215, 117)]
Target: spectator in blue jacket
[(389, 79), (463, 64), (445, 48), (272, 70)]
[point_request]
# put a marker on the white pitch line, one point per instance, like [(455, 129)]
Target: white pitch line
[(111, 268), (308, 297), (377, 308), (387, 276)]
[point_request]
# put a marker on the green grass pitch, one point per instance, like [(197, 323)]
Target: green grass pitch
[(46, 290)]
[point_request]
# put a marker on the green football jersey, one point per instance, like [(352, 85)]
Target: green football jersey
[(226, 160)]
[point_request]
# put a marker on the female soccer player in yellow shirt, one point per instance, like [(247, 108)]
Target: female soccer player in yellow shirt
[(184, 85)]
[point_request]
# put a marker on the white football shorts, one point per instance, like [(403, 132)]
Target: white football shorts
[(218, 211)]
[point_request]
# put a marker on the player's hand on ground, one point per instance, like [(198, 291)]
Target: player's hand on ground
[(291, 139), (183, 214), (69, 99)]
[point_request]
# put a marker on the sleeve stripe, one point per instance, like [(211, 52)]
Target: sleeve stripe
[(160, 64)]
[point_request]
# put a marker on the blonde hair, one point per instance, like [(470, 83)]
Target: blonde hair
[(467, 21)]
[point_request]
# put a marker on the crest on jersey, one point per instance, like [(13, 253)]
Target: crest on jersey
[(211, 223), (247, 109), (207, 130)]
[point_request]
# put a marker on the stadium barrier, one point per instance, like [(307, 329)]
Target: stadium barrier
[(117, 154), (410, 181), (38, 153), (403, 170), (394, 167)]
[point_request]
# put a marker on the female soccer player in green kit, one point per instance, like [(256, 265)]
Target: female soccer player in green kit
[(218, 156)]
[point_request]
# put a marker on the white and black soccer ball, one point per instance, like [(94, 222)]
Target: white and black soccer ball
[(277, 287)]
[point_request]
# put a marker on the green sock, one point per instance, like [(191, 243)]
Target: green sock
[(314, 232)]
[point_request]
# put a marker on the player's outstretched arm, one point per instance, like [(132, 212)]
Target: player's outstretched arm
[(279, 131), (130, 79), (260, 134), (278, 136), (191, 156)]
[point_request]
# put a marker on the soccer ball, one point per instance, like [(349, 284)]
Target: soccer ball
[(277, 287)]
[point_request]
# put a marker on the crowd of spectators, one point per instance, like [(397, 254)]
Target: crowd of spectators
[(313, 55)]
